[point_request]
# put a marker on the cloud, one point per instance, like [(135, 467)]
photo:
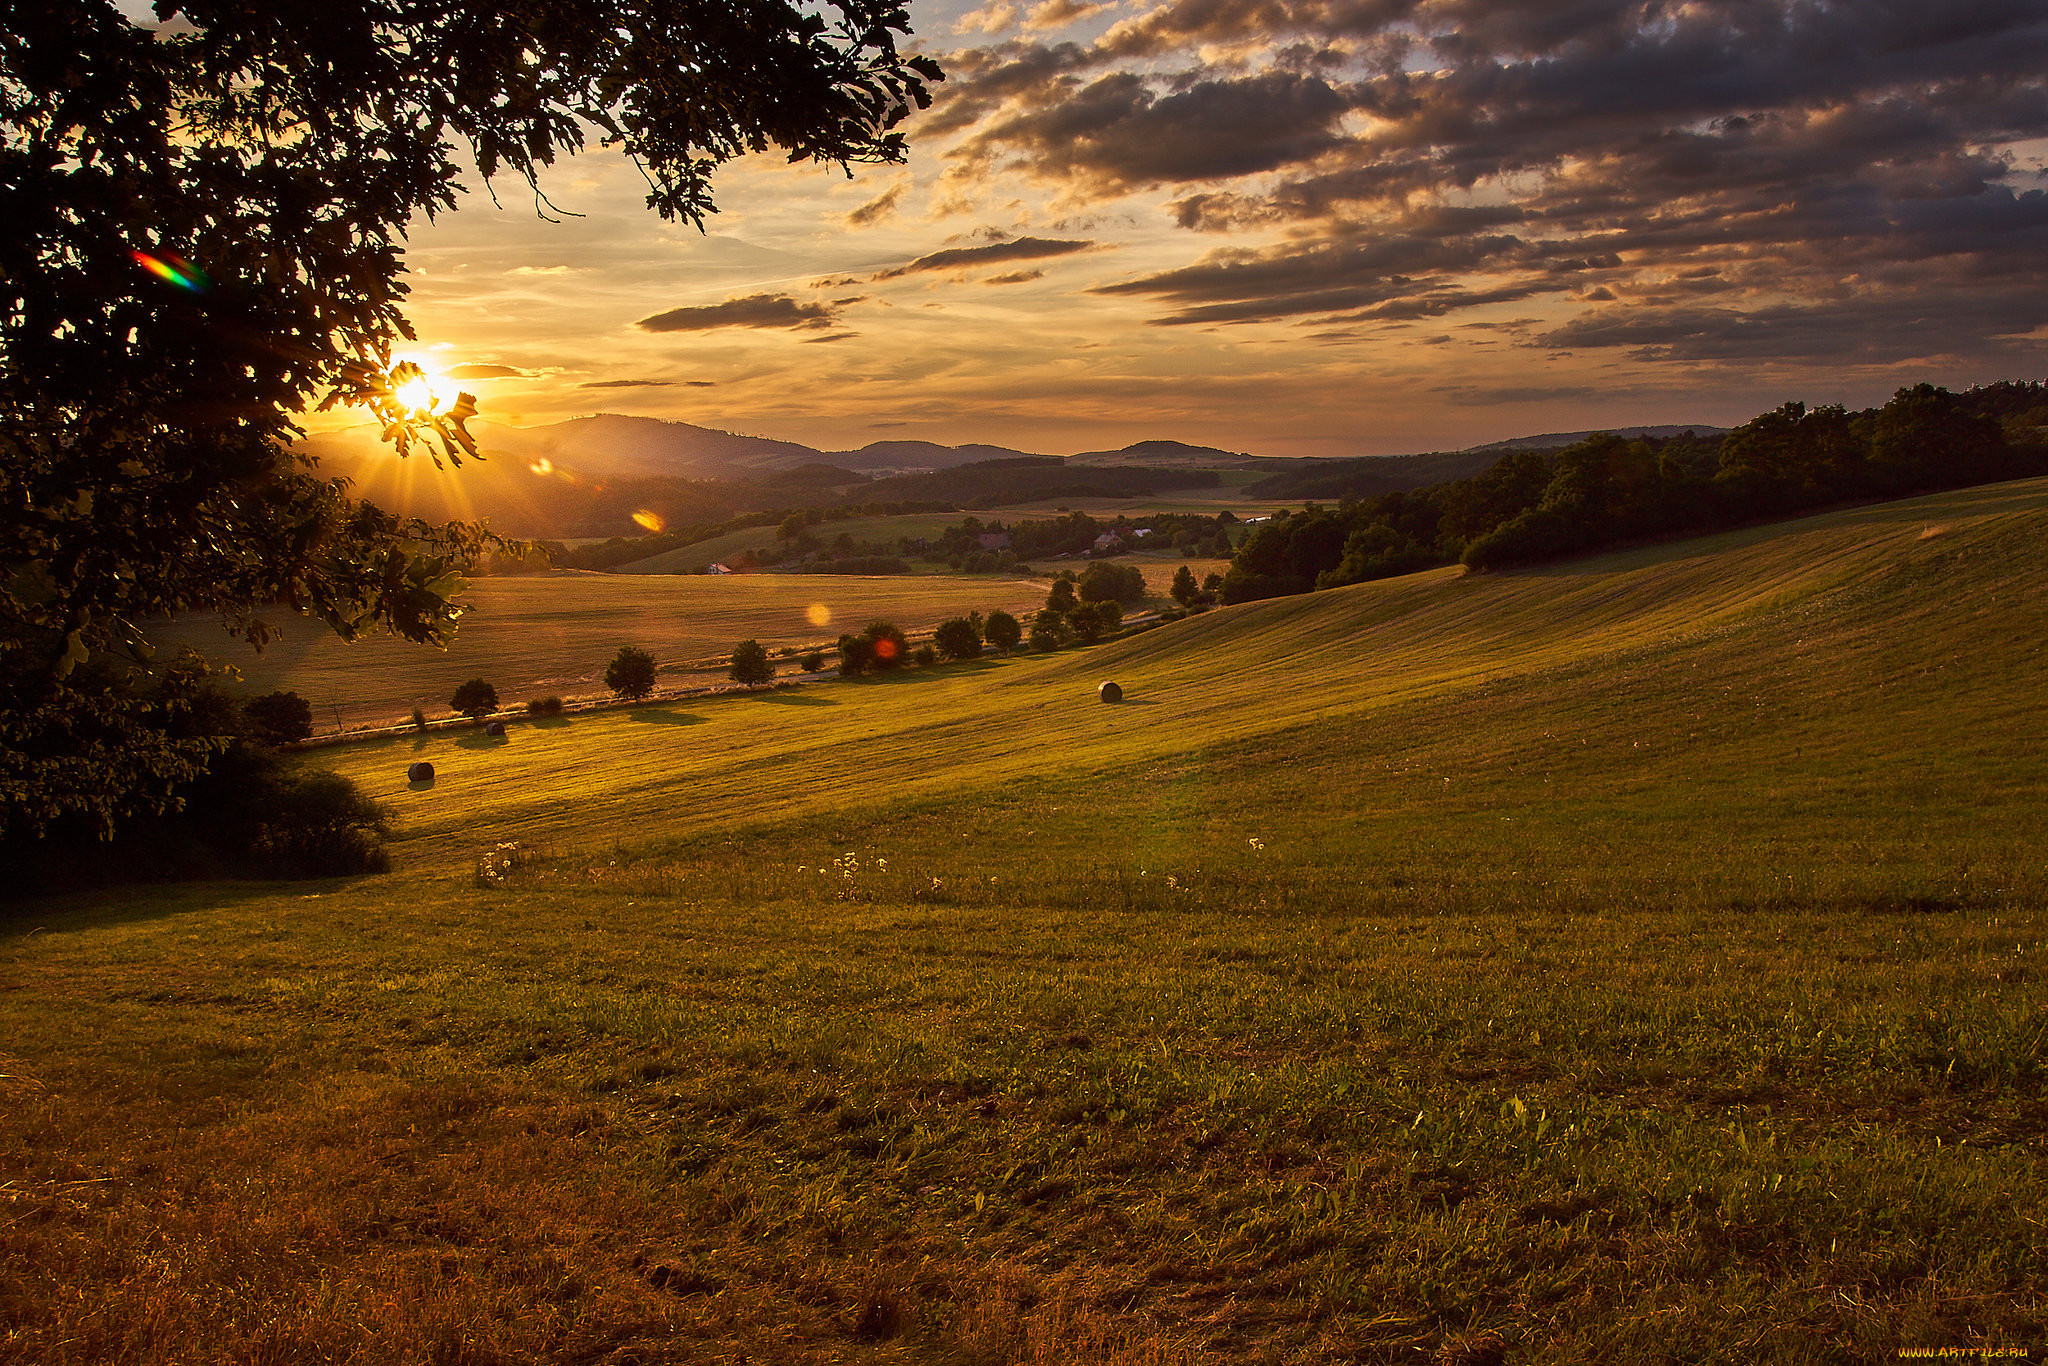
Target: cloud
[(1015, 277), (1714, 179), (968, 258), (488, 372), (881, 207), (630, 383), (1050, 14), (755, 310)]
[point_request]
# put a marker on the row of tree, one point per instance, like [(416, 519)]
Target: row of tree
[(1605, 491)]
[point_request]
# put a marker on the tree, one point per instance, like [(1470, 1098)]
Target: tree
[(750, 664), (1096, 620), (1061, 598), (475, 699), (958, 639), (887, 649), (280, 717), (203, 241), (1185, 590), (1003, 630), (630, 675), (856, 653), (1101, 582)]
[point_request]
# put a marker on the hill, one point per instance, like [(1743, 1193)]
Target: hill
[(1640, 958)]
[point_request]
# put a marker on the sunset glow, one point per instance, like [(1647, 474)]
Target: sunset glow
[(1457, 224)]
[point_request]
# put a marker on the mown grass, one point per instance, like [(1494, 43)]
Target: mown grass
[(1640, 960), (536, 635)]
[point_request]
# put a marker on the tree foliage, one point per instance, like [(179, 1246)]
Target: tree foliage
[(630, 675), (1003, 630), (751, 665), (958, 638), (280, 717), (203, 242), (475, 699)]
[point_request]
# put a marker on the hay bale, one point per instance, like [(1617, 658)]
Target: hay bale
[(1110, 692), (495, 729), (421, 772)]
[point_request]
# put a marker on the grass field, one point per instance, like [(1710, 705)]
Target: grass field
[(543, 634), (1635, 960)]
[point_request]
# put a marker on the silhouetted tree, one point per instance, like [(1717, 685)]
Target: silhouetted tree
[(630, 674), (203, 241), (750, 664), (475, 699), (1003, 630)]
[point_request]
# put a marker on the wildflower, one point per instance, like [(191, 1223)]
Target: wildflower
[(1256, 843)]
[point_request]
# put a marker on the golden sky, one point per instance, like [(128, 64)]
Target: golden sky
[(1311, 227)]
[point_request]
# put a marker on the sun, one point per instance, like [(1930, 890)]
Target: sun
[(418, 394)]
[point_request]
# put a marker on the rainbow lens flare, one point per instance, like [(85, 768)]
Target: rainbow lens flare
[(174, 269)]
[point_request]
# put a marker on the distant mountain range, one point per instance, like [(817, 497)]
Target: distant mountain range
[(589, 475)]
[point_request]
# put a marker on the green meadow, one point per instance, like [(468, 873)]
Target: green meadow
[(1638, 959)]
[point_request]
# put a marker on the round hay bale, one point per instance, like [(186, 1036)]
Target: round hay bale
[(1110, 692), (421, 772), (495, 729)]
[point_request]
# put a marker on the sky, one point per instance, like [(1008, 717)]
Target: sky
[(1310, 227)]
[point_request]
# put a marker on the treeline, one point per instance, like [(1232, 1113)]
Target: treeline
[(1035, 478), (618, 550), (1606, 491), (1076, 533)]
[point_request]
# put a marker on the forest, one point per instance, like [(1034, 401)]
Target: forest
[(1606, 491)]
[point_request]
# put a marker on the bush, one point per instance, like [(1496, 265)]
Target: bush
[(1097, 620), (475, 699), (1003, 630), (813, 661), (856, 653), (750, 664), (630, 675), (1044, 639), (419, 719), (280, 718), (925, 656), (958, 639), (544, 706)]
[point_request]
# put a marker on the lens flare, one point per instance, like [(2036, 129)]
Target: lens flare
[(885, 648), (173, 269), (651, 520), (542, 466), (417, 395), (818, 614)]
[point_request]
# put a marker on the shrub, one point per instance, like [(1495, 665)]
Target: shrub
[(280, 717), (475, 699), (419, 719), (958, 639), (544, 706), (925, 656), (750, 664), (630, 675), (813, 661), (856, 653), (1044, 639), (1003, 631)]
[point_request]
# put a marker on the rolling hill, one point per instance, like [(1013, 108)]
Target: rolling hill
[(1636, 959)]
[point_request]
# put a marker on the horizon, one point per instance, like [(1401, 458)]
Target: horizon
[(1297, 231)]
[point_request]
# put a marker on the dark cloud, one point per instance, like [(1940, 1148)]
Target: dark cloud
[(1711, 179), (756, 310), (881, 207), (1118, 132), (1015, 277), (631, 383), (488, 372), (968, 258)]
